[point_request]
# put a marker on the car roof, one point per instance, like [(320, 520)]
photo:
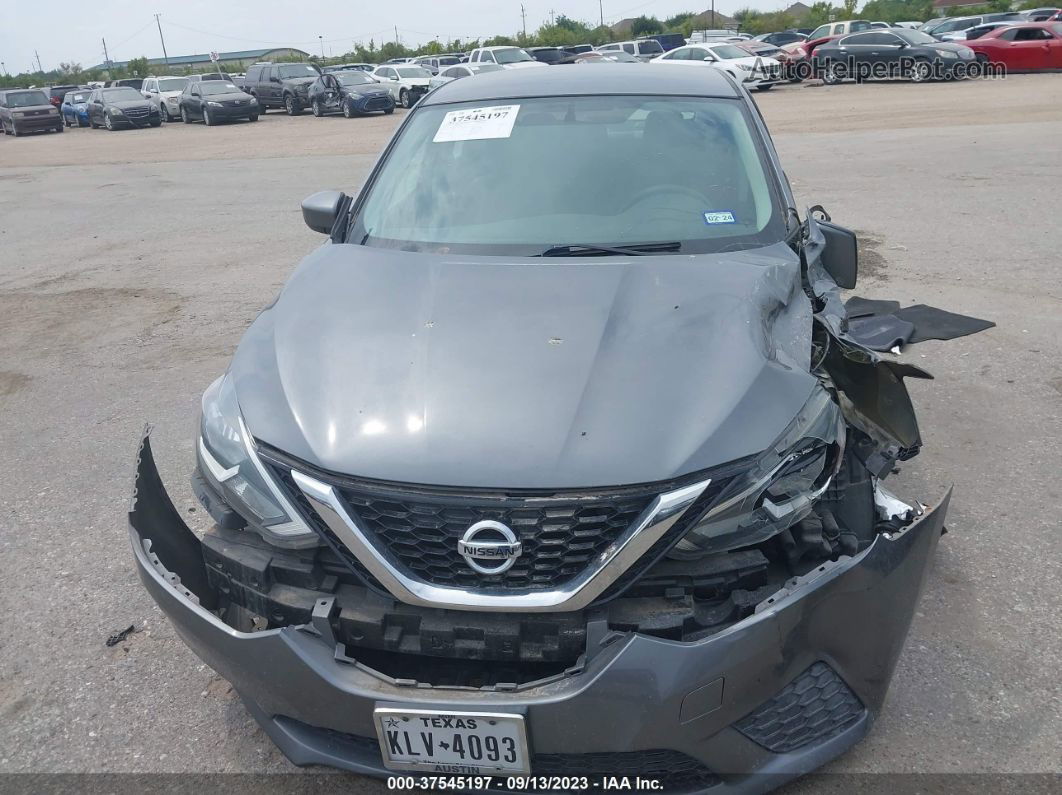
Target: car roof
[(616, 80)]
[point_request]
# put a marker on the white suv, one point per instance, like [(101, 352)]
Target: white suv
[(509, 57), (164, 93), (642, 49)]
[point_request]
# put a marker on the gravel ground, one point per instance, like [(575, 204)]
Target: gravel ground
[(132, 261)]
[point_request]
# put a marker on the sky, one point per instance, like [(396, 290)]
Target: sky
[(64, 30)]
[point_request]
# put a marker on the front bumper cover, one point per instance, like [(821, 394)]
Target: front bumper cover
[(823, 648)]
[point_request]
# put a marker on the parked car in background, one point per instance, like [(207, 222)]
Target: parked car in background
[(839, 28), (752, 71), (609, 56), (207, 76), (780, 38), (580, 48), (1040, 14), (406, 83), (958, 25), (393, 61), (548, 55), (896, 52), (56, 93), (165, 94), (131, 82), (75, 108), (642, 49), (122, 106), (350, 93), (350, 67), (975, 33), (452, 73), (712, 36), (214, 101), (913, 25), (281, 85), (668, 41), (433, 63), (764, 50), (28, 110), (509, 57), (1028, 47), (802, 54)]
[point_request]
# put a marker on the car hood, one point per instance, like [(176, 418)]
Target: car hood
[(527, 373), (128, 103), (523, 65), (228, 96), (367, 88), (751, 60), (299, 81), (947, 45)]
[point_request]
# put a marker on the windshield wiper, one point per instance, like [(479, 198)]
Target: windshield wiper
[(586, 250)]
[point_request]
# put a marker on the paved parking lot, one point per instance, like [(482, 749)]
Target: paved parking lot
[(131, 262)]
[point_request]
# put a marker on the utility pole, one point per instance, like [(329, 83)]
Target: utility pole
[(39, 67), (523, 19), (3, 66), (106, 57), (713, 14), (321, 39), (552, 20), (396, 35), (165, 56), (601, 11)]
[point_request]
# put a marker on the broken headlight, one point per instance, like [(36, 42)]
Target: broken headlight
[(778, 490), (228, 459)]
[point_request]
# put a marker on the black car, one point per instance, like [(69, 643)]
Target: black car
[(214, 101), (121, 107), (895, 52), (350, 92), (550, 55), (782, 37), (281, 85), (129, 82)]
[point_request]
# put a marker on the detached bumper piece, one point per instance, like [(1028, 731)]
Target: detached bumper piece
[(783, 690)]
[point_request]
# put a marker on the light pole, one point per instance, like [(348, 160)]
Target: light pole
[(321, 38)]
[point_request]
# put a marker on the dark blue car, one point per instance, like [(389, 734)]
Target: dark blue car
[(350, 92), (75, 108)]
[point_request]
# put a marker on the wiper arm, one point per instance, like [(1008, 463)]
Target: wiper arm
[(587, 250)]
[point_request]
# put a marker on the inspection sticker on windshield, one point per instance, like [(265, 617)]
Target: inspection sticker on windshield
[(719, 218), (474, 124)]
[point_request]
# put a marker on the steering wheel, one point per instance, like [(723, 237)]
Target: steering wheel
[(668, 189)]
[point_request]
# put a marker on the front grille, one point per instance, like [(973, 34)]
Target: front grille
[(814, 707), (560, 535), (136, 113), (378, 103), (233, 103)]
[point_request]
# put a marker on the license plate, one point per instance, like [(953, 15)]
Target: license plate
[(484, 743)]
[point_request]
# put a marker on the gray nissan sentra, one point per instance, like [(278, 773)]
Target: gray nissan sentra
[(557, 457)]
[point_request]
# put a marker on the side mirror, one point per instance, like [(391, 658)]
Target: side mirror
[(320, 210), (840, 256)]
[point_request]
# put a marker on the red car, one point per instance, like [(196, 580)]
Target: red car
[(765, 50), (1030, 47), (801, 54)]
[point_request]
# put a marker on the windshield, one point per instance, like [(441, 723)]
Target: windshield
[(215, 87), (353, 78), (121, 94), (650, 47), (512, 55), (729, 51), (414, 72), (285, 71), (81, 96), (172, 84), (635, 169), (23, 99), (449, 60), (914, 36)]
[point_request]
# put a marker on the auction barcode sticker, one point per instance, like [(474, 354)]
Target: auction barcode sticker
[(474, 124)]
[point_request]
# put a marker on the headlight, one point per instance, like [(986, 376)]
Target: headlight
[(227, 457), (54, 110), (18, 114), (252, 101), (153, 109), (213, 104), (947, 54), (117, 111), (778, 490)]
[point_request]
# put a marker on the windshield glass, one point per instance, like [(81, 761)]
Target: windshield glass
[(122, 94), (23, 99), (729, 51), (216, 87), (513, 55), (449, 60), (353, 78), (635, 169), (650, 47), (412, 71), (172, 84), (285, 71), (80, 96), (914, 36)]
